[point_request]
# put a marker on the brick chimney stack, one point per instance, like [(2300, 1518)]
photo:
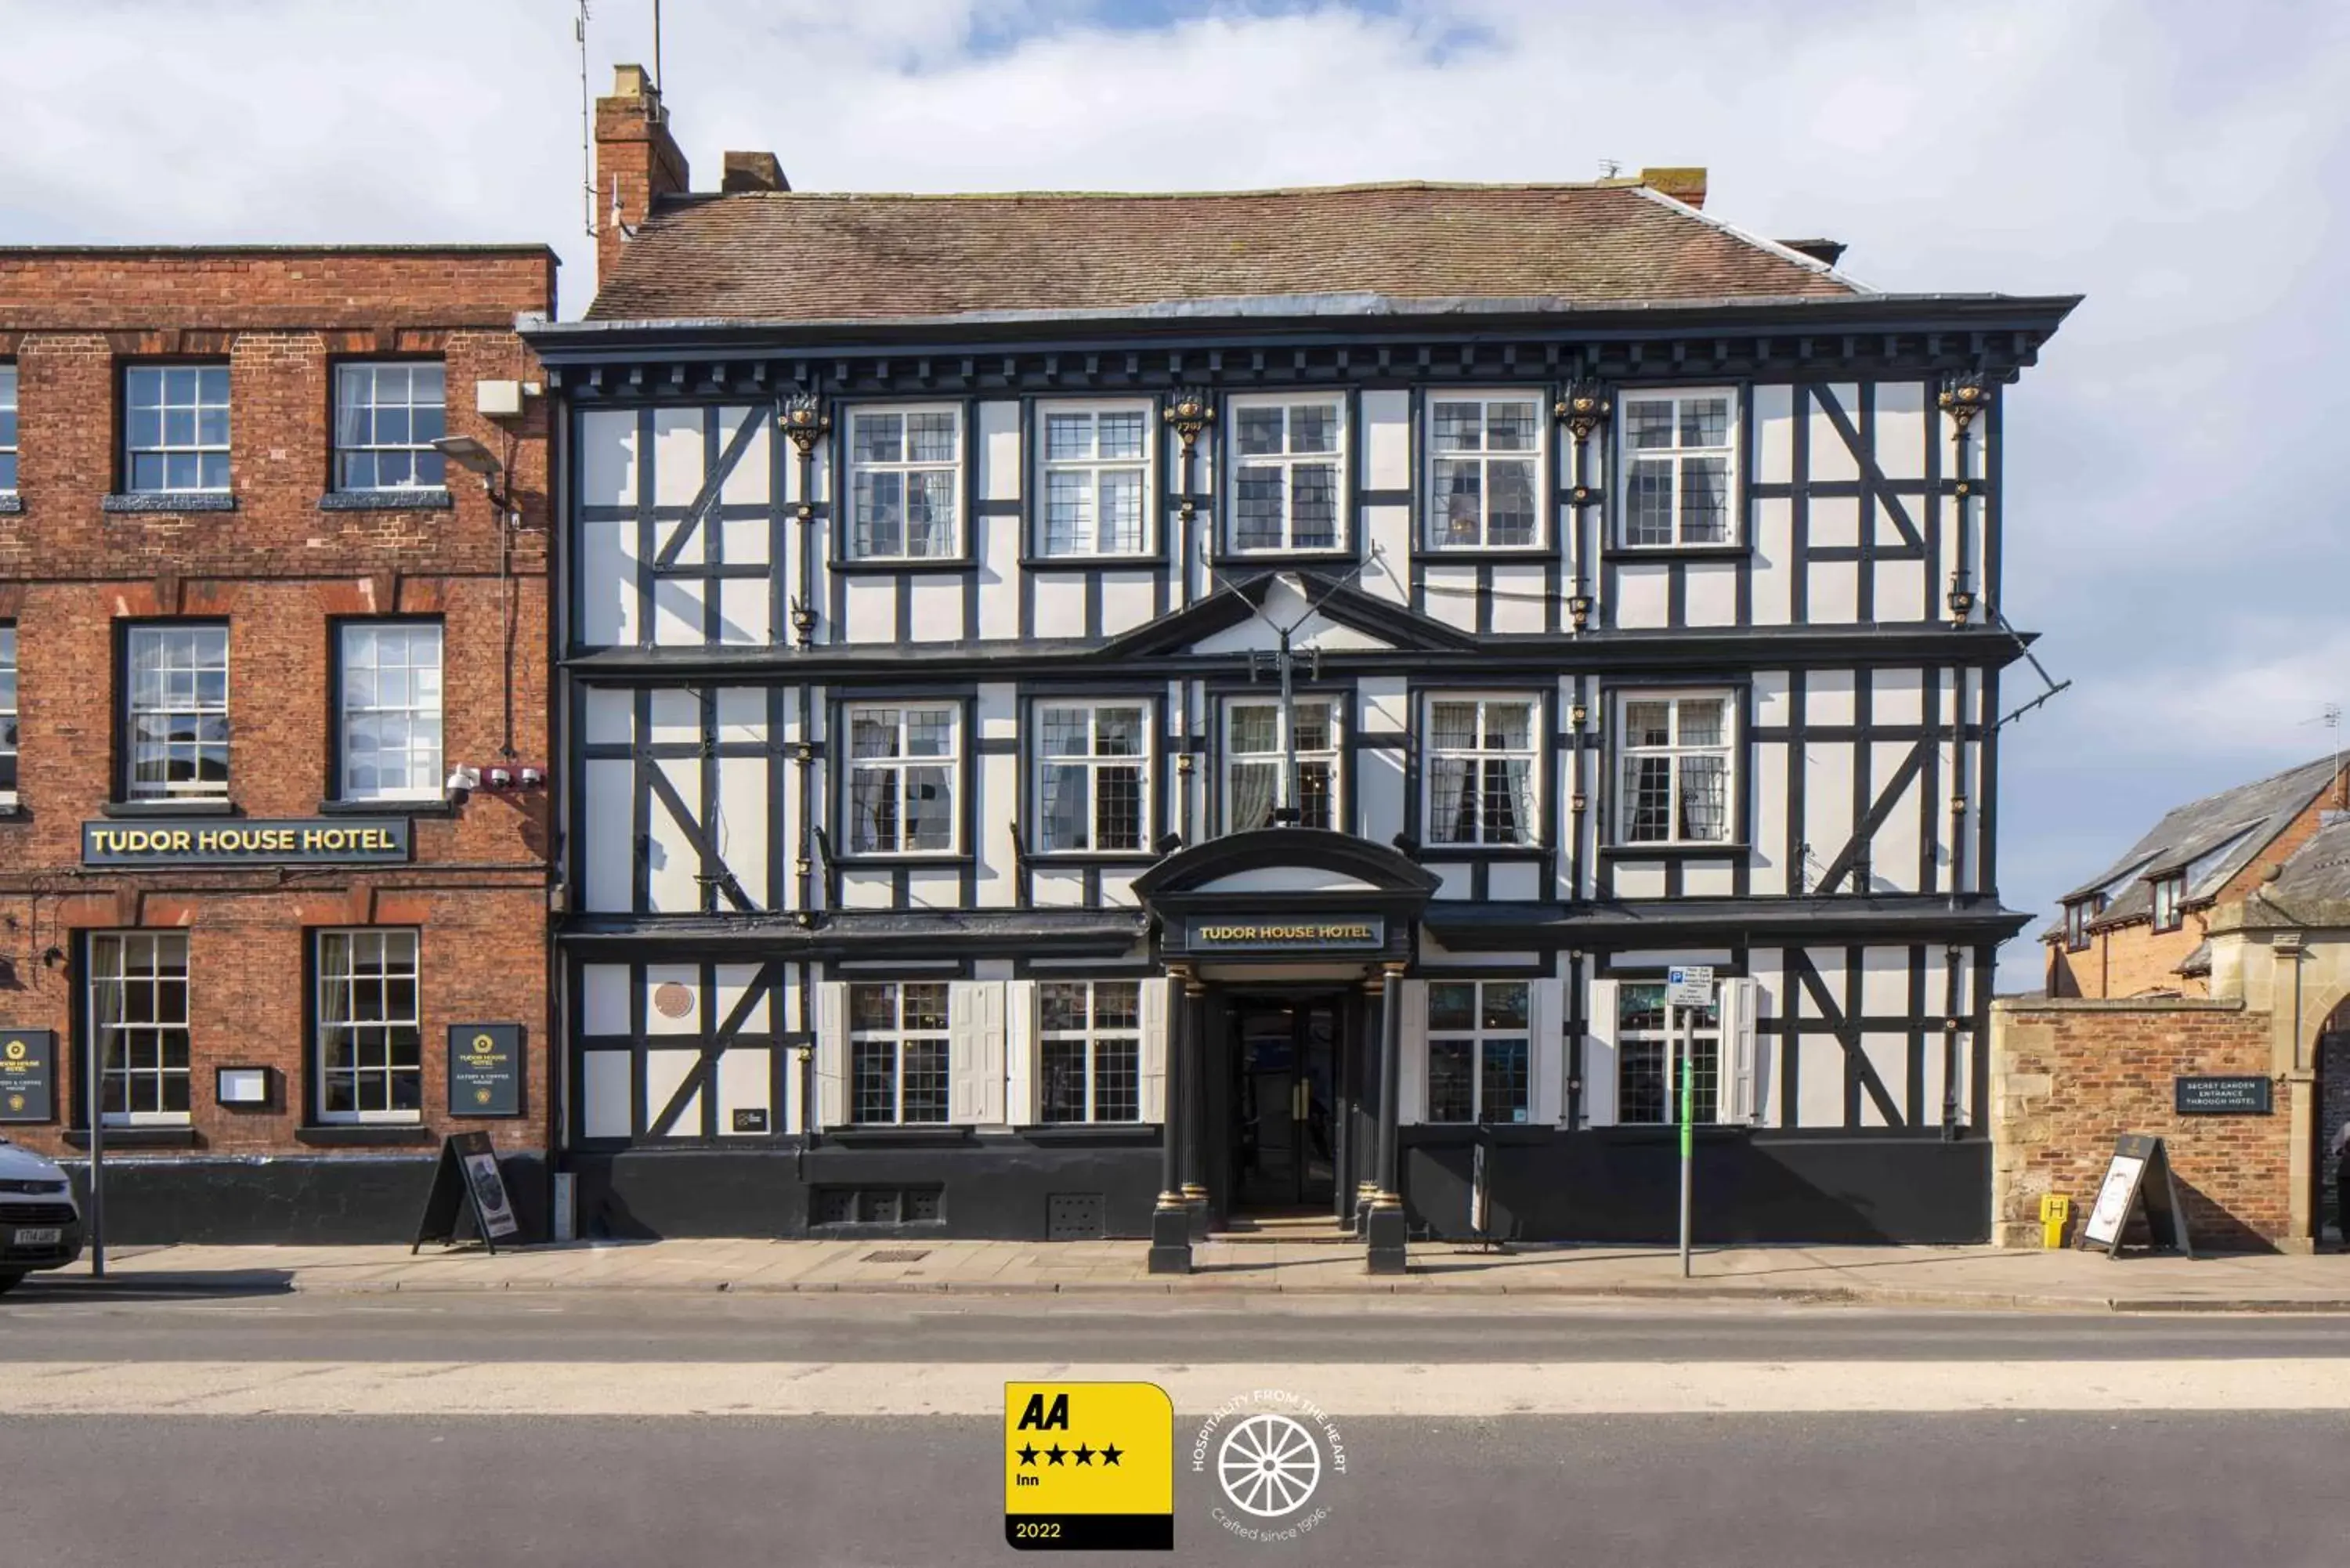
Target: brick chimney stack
[(638, 162), (1682, 185)]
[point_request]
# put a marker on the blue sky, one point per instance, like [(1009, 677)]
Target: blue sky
[(2175, 528)]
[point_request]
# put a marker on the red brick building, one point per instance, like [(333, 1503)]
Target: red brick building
[(258, 634)]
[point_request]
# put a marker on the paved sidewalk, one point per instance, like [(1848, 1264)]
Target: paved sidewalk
[(1954, 1277)]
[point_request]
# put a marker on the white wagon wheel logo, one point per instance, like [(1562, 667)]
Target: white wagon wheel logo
[(1269, 1465)]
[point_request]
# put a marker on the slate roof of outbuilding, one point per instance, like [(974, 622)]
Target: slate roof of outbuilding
[(2251, 815), (798, 256)]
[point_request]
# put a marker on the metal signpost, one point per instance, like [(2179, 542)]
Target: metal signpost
[(94, 1222), (1687, 986)]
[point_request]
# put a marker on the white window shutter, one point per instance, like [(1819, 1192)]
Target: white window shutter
[(1411, 1071), (1155, 1011), (1020, 1052), (1546, 1051), (991, 1040), (967, 1052), (832, 1054), (1738, 1036), (1599, 1057)]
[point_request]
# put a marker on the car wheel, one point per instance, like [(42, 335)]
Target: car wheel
[(10, 1280)]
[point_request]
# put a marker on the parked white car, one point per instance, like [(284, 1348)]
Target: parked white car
[(40, 1219)]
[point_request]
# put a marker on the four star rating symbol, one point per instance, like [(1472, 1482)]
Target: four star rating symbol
[(1109, 1453)]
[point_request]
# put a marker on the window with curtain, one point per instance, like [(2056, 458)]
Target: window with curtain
[(139, 1010), (902, 770), (1677, 771), (1097, 480), (1288, 457), (387, 418), (1257, 783), (176, 710), (1089, 1050), (7, 714), (1651, 1038), (1093, 769), (390, 710), (905, 484), (1484, 468), (897, 1053), (7, 427), (1678, 452), (370, 1030), (1482, 754), (1478, 1034)]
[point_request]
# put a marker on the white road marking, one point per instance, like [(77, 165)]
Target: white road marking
[(922, 1388)]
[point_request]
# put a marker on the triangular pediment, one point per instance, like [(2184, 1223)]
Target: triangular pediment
[(1247, 615)]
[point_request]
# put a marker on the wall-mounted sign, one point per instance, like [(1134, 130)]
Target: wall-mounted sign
[(28, 1074), (485, 1069), (2248, 1094), (212, 841), (1298, 933), (1689, 985), (750, 1119)]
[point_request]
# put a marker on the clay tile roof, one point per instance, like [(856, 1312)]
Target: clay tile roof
[(828, 256)]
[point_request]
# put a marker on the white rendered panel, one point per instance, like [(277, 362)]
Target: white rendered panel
[(610, 851), (1707, 879), (1819, 1087), (745, 541), (1412, 1099), (1832, 459), (1900, 590), (609, 716), (999, 710), (1643, 594), (1387, 441), (1888, 527), (936, 602), (1388, 529), (744, 612), (1639, 879), (1889, 1055), (1713, 593), (1835, 521), (1151, 1058), (1547, 1053), (999, 577), (1770, 567), (1827, 802), (664, 1071), (1775, 434), (742, 827), (693, 552), (676, 717), (1060, 599), (1378, 802), (677, 456), (1127, 601), (745, 1075), (1600, 1059), (676, 612), (933, 887), (1902, 429), (1767, 872), (866, 889), (608, 606), (998, 447), (1772, 708), (1514, 879), (733, 980), (741, 715), (1518, 597), (608, 458), (998, 808), (673, 999), (1897, 697), (1885, 981), (1386, 703), (604, 998), (608, 1108), (1452, 594), (1828, 698), (1118, 890), (1059, 890), (1451, 879), (871, 604), (1893, 854)]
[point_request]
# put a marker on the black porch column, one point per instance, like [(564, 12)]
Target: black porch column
[(1384, 1224), (1171, 1218), (1191, 999), (1362, 1127)]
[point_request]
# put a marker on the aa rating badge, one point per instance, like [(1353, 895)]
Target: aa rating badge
[(1089, 1466)]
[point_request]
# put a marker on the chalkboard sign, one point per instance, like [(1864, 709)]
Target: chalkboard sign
[(2252, 1095), (2139, 1179), (28, 1069), (485, 1069), (467, 1183)]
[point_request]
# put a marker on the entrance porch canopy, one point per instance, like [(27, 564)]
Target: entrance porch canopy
[(1285, 894)]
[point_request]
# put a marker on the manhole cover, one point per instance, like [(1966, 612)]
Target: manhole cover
[(897, 1255)]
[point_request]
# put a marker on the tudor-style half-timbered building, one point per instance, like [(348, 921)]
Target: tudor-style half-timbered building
[(1107, 714)]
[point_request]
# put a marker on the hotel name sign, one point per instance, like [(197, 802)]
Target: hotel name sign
[(1316, 933), (211, 842)]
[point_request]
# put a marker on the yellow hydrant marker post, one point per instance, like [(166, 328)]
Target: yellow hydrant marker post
[(1089, 1466), (2055, 1208)]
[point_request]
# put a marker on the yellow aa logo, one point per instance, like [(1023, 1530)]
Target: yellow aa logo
[(1089, 1466), (483, 1042), (15, 1102), (481, 1096), (17, 1050)]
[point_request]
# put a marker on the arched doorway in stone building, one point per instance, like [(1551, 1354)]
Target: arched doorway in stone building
[(2333, 1097)]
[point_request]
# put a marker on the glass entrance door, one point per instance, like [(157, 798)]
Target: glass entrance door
[(1285, 1060)]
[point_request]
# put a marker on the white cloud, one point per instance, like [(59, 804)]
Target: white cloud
[(2169, 465)]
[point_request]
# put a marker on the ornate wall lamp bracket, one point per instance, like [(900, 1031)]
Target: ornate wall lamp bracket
[(804, 419), (1964, 395)]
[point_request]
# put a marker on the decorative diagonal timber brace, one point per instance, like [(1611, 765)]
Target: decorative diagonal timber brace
[(708, 497), (1846, 1032), (1867, 459), (697, 1077), (713, 870), (1849, 857)]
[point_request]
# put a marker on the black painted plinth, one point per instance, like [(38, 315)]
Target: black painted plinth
[(1171, 1240), (1198, 1205), (1384, 1231)]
